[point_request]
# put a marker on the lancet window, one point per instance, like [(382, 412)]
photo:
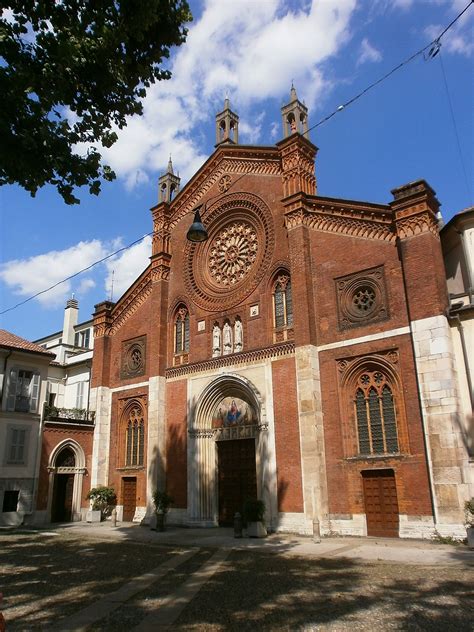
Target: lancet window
[(375, 414), (135, 438), (282, 302), (181, 331)]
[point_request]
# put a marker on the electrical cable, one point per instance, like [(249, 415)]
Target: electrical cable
[(453, 119), (434, 49)]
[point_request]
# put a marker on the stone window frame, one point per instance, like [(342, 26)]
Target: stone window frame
[(131, 350), (362, 298), (351, 370)]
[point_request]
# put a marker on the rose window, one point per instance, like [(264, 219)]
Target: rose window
[(232, 253), (363, 300)]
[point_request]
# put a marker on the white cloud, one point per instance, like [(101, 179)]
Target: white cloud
[(85, 285), (123, 269), (368, 52), (251, 49), (29, 276)]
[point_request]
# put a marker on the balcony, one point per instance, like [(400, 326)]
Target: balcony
[(74, 416)]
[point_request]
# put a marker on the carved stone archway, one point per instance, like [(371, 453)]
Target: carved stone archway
[(77, 470), (204, 434)]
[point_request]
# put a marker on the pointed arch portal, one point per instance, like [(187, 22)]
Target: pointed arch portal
[(226, 451), (66, 469)]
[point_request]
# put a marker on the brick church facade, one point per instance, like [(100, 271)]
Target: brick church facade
[(301, 354)]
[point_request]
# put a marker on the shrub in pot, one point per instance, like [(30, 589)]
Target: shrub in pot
[(103, 499), (469, 522), (162, 502), (254, 511)]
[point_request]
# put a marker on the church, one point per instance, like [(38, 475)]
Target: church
[(299, 353)]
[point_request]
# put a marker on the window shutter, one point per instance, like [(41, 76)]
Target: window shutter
[(80, 395), (12, 389), (34, 392)]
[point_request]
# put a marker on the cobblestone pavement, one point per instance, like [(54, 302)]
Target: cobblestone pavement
[(100, 579)]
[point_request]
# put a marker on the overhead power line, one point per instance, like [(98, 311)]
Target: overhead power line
[(433, 48)]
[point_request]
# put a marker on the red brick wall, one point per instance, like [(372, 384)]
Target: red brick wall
[(287, 437), (52, 436), (176, 442)]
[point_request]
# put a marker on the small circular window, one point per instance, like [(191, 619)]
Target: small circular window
[(363, 300)]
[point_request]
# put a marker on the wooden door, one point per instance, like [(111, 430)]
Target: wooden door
[(381, 504), (129, 498), (237, 477), (62, 498)]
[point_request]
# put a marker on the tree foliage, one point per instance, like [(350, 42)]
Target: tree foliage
[(70, 73)]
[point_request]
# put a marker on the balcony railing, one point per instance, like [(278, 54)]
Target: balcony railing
[(69, 415)]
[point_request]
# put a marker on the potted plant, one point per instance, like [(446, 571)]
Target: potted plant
[(103, 501), (254, 510), (162, 502), (469, 522)]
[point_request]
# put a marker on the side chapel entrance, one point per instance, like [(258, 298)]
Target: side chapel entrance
[(381, 503), (129, 497), (237, 479), (63, 472)]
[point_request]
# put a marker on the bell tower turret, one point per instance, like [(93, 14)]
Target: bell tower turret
[(168, 184), (227, 125), (295, 116)]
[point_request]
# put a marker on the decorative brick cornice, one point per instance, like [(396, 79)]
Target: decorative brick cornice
[(416, 224), (226, 160), (343, 217), (276, 351)]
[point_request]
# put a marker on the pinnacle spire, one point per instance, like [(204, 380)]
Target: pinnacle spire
[(170, 166)]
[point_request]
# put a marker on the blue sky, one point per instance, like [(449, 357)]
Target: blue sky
[(400, 131)]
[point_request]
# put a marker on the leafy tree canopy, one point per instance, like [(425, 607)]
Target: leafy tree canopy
[(70, 72)]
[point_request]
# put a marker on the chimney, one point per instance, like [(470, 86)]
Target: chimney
[(71, 316)]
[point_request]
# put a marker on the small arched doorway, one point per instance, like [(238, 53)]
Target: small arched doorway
[(66, 470)]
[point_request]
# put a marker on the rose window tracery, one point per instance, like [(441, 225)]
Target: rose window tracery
[(232, 253)]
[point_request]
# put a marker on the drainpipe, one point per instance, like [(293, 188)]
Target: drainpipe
[(418, 386), (89, 367)]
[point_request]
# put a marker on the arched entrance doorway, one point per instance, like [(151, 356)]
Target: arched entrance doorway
[(66, 469), (227, 451)]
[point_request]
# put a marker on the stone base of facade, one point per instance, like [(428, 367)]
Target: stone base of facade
[(350, 524), (293, 523)]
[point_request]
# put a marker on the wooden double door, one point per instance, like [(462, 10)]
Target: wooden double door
[(381, 503), (237, 479)]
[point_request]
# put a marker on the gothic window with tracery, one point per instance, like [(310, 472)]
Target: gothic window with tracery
[(181, 331), (282, 302), (135, 438), (375, 414)]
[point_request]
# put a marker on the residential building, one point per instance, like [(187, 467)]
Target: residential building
[(23, 383)]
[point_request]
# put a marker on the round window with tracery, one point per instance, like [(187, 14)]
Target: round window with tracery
[(364, 300), (233, 252)]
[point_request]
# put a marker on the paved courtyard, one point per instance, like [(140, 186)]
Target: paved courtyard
[(100, 578)]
